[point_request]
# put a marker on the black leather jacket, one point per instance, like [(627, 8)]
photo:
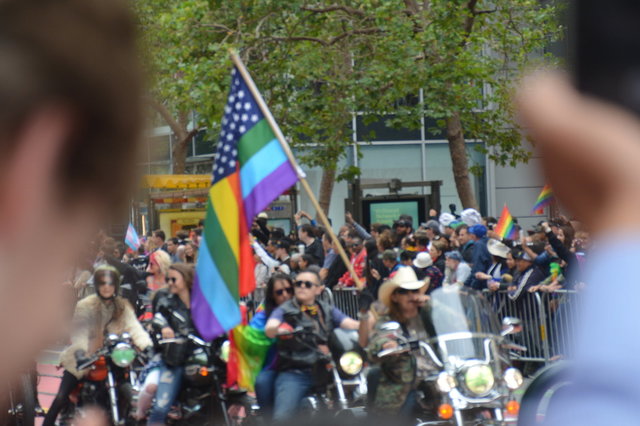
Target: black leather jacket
[(170, 311)]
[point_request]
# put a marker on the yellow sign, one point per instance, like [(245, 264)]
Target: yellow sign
[(176, 181)]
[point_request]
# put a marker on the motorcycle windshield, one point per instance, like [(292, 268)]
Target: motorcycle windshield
[(464, 323)]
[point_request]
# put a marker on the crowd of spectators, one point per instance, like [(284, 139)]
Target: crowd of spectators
[(448, 249)]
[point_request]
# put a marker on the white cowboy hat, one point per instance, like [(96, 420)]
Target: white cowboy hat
[(403, 278), (496, 248), (423, 260)]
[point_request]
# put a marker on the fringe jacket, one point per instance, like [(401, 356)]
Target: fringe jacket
[(92, 319)]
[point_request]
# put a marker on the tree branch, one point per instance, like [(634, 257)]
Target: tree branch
[(482, 12), (468, 23), (299, 38), (168, 117), (333, 8), (220, 27), (412, 7), (331, 41)]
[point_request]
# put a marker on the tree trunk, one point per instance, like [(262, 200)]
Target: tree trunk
[(178, 126), (179, 154), (459, 162), (326, 188)]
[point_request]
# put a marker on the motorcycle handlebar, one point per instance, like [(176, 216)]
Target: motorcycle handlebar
[(87, 362), (404, 347), (195, 339), (295, 331)]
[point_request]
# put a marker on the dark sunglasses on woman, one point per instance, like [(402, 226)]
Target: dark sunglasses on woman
[(281, 291)]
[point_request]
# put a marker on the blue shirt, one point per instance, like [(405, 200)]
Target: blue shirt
[(606, 371), (329, 258), (482, 261)]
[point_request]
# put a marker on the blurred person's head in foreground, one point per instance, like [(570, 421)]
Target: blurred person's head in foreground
[(70, 119)]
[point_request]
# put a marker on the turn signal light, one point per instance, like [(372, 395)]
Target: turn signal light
[(204, 372), (445, 411), (513, 407)]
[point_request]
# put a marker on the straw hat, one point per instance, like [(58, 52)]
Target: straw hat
[(496, 248), (403, 278)]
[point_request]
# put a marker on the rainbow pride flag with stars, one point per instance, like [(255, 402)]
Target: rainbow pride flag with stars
[(250, 170), (506, 227), (544, 199)]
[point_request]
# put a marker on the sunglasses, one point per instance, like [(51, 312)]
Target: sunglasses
[(172, 280), (305, 284), (282, 290), (406, 291), (101, 283)]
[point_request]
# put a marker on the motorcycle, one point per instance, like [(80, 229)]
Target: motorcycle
[(203, 399), (538, 396), (341, 385), (21, 401), (474, 382), (111, 381)]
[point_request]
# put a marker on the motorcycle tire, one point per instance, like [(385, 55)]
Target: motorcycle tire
[(544, 385), (28, 414)]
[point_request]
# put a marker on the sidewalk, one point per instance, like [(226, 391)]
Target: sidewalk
[(49, 379)]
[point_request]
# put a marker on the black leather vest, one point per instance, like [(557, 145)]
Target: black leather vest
[(300, 351)]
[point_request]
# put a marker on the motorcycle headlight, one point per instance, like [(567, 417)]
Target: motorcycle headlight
[(224, 351), (479, 379), (351, 363), (513, 378), (446, 382), (123, 355)]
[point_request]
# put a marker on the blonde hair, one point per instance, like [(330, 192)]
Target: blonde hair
[(163, 260)]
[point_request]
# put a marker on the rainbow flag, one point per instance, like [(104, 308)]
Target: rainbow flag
[(251, 351), (544, 199), (506, 227), (250, 170)]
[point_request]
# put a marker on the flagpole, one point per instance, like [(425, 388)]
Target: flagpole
[(301, 175)]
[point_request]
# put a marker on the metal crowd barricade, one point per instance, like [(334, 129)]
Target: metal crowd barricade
[(548, 320), (562, 318), (254, 299), (346, 299)]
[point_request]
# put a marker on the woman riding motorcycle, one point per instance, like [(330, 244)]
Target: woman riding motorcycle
[(172, 319), (102, 313)]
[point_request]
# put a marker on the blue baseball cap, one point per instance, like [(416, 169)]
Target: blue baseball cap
[(478, 230), (455, 255)]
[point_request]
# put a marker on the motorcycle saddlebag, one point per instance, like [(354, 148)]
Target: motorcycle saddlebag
[(174, 354)]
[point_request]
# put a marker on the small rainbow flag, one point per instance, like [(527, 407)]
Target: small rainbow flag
[(544, 199), (506, 227)]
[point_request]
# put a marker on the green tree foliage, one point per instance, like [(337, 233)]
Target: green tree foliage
[(316, 63)]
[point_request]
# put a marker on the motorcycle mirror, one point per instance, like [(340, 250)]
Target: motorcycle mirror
[(390, 326), (511, 325)]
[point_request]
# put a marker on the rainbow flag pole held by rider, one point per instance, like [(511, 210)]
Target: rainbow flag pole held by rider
[(252, 167)]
